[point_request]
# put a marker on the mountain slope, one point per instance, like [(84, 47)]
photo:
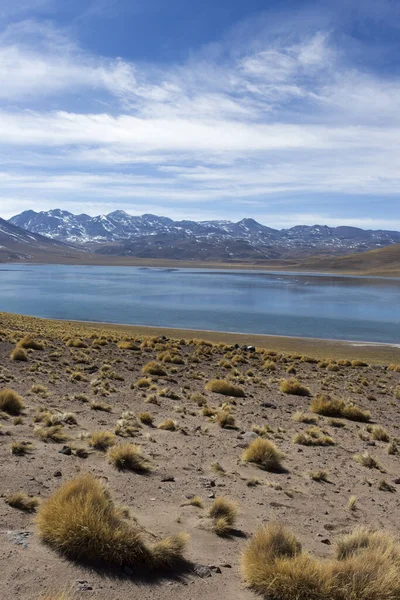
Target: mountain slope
[(18, 244), (160, 237)]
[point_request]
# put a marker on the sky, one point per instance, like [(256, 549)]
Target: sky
[(286, 111)]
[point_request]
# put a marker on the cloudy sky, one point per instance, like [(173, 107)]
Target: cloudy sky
[(284, 111)]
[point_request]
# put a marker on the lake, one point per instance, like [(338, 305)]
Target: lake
[(290, 304)]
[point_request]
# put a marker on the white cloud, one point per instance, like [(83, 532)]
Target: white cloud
[(270, 123)]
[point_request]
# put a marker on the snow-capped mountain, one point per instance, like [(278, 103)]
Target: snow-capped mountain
[(17, 243), (132, 235)]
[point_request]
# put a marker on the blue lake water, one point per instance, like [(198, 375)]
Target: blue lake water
[(320, 306)]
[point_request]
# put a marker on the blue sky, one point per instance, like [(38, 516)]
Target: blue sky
[(287, 112)]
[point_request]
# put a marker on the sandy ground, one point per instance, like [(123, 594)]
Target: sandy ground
[(317, 512)]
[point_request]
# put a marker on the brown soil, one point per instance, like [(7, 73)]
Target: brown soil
[(182, 459)]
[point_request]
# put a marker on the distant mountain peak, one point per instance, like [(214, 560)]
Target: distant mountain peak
[(156, 233)]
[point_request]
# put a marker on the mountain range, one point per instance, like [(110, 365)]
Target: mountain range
[(152, 236)]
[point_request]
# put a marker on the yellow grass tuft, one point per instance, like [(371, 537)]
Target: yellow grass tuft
[(128, 457), (294, 387), (220, 386), (313, 436), (264, 454), (101, 440), (19, 354), (153, 368), (331, 407), (146, 418), (226, 420), (21, 448), (366, 460), (22, 501), (128, 345), (30, 342), (54, 433), (168, 425), (81, 522), (223, 512), (11, 402)]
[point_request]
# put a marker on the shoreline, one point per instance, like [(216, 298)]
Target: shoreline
[(372, 352), (300, 267)]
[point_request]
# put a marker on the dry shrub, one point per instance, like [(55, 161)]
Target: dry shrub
[(226, 420), (153, 368), (168, 425), (332, 407), (19, 354), (319, 476), (11, 402), (30, 342), (21, 448), (264, 454), (270, 365), (77, 343), (143, 382), (128, 345), (199, 399), (128, 457), (220, 386), (379, 433), (96, 405), (294, 387), (366, 460), (22, 501), (366, 568), (81, 522), (146, 418), (313, 436), (223, 512), (54, 433), (302, 417), (101, 440)]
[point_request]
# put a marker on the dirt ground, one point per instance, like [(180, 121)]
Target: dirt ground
[(184, 460)]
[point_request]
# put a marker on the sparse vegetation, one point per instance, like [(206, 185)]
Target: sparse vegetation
[(22, 501), (128, 457), (294, 387), (220, 386), (81, 522), (11, 402), (264, 454), (331, 407), (101, 440), (223, 512)]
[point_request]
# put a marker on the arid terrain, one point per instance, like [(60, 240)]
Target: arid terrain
[(332, 419)]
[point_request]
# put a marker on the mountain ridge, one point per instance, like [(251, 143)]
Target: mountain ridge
[(119, 233)]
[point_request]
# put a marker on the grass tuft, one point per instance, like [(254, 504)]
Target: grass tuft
[(294, 387), (22, 501), (220, 386), (331, 407), (264, 454), (128, 457), (11, 402)]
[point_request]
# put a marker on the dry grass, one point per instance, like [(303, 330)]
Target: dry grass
[(366, 460), (221, 386), (294, 387), (146, 418), (168, 425), (30, 342), (223, 512), (128, 345), (379, 433), (81, 522), (11, 402), (331, 407), (54, 433), (264, 454), (194, 501), (22, 501), (319, 476), (366, 568), (19, 354), (154, 368), (95, 405), (303, 417), (101, 440), (313, 436), (21, 448), (226, 420), (128, 457)]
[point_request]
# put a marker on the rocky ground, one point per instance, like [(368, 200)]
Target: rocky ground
[(85, 372)]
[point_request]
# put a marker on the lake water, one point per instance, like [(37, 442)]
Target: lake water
[(320, 306)]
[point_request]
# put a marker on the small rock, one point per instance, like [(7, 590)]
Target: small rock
[(168, 478), (57, 474), (268, 405), (65, 450), (202, 571), (326, 541), (83, 585), (226, 565)]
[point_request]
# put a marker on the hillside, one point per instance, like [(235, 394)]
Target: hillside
[(283, 438), (385, 261), (18, 244)]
